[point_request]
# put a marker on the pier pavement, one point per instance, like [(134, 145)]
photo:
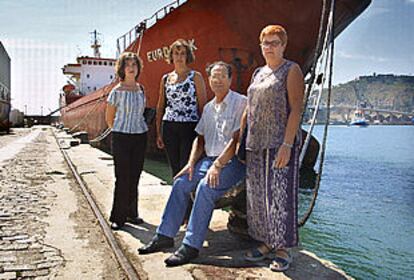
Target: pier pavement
[(47, 230), (221, 257)]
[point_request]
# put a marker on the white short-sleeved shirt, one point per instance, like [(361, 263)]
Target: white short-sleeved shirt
[(130, 106), (219, 122)]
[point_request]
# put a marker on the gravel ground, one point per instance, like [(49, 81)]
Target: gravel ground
[(14, 134), (47, 230)]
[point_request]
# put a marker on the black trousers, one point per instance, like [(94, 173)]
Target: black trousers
[(178, 138), (128, 151)]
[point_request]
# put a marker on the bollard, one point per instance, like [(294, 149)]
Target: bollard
[(82, 136)]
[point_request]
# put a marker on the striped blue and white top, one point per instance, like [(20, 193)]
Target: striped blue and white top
[(130, 106)]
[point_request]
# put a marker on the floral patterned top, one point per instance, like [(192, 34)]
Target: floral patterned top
[(181, 100)]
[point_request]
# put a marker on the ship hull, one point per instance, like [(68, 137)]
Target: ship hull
[(359, 123), (229, 32)]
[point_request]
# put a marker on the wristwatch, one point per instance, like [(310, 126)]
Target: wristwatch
[(217, 164)]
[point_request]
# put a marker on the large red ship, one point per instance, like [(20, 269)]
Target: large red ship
[(225, 30)]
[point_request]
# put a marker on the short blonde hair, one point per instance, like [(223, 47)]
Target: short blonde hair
[(181, 43), (274, 30), (121, 62)]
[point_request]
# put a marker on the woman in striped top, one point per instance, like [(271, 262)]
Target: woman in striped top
[(124, 115), (181, 100)]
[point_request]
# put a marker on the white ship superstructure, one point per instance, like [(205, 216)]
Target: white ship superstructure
[(90, 73)]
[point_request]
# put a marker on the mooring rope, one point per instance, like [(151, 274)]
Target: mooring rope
[(325, 134), (324, 58), (87, 114), (316, 57), (102, 136)]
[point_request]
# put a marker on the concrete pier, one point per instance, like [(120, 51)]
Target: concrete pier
[(221, 257)]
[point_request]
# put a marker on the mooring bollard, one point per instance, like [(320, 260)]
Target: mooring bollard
[(82, 136)]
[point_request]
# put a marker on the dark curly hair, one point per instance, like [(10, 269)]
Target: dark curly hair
[(121, 62)]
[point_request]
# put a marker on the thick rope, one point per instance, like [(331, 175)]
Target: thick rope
[(315, 58), (87, 114), (325, 134), (102, 136), (325, 57)]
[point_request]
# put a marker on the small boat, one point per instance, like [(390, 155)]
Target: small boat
[(358, 118)]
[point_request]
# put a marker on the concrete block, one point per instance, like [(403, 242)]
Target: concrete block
[(82, 136), (74, 142)]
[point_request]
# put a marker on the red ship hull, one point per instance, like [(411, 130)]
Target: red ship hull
[(221, 30)]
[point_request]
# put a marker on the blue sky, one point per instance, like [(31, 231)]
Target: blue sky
[(381, 40), (43, 35)]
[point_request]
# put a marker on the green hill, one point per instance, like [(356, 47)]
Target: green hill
[(378, 91)]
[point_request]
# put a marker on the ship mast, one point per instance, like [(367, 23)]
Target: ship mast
[(95, 44)]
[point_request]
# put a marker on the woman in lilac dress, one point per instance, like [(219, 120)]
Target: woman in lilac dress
[(272, 150)]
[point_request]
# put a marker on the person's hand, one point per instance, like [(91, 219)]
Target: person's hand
[(187, 169), (213, 175), (282, 157), (160, 142)]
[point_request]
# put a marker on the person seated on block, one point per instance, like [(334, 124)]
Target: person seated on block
[(212, 170)]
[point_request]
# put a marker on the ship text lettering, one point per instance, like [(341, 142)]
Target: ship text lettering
[(162, 53)]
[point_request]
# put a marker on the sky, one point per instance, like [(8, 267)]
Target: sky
[(43, 35)]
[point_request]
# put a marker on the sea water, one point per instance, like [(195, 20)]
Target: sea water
[(363, 220)]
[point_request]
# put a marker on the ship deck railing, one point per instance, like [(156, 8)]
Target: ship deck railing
[(128, 38)]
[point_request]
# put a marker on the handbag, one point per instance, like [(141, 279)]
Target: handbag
[(149, 115)]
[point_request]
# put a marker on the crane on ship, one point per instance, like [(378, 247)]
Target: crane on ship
[(96, 43)]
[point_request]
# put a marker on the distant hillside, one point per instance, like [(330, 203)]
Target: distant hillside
[(378, 91)]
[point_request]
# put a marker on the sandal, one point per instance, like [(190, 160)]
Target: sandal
[(280, 264), (256, 255)]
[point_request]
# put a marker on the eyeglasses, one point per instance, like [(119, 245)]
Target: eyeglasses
[(273, 44)]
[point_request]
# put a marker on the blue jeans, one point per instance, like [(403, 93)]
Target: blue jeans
[(204, 202)]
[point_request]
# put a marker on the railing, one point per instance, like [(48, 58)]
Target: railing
[(128, 38)]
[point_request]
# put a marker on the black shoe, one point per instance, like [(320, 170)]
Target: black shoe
[(157, 243), (134, 221), (116, 226), (182, 256)]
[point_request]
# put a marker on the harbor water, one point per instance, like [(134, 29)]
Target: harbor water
[(363, 220)]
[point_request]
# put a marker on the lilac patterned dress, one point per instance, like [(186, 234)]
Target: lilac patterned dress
[(272, 193)]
